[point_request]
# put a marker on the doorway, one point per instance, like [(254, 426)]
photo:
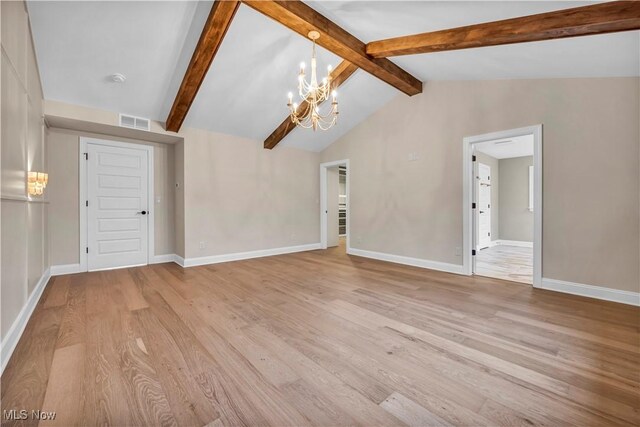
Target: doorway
[(335, 205), (502, 190), (116, 197)]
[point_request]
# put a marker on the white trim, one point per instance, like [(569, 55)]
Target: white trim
[(84, 266), (59, 270), (323, 201), (179, 260), (467, 195), (490, 245), (82, 214), (159, 259), (215, 259), (14, 333), (415, 262), (590, 291), (518, 243)]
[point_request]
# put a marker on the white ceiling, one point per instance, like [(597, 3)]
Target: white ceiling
[(79, 44), (507, 148), (610, 55)]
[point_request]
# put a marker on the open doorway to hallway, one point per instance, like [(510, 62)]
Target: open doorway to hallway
[(334, 190), (504, 213), (504, 195)]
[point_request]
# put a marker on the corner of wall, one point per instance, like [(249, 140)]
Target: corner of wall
[(179, 216)]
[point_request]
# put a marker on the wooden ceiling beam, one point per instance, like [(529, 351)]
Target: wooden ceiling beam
[(338, 76), (600, 18), (301, 18), (218, 22)]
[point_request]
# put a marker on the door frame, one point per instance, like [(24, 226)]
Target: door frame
[(323, 201), (83, 211), (467, 195)]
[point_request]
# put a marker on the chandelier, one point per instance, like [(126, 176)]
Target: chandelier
[(308, 114)]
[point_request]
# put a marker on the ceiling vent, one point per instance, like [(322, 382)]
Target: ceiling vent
[(135, 122)]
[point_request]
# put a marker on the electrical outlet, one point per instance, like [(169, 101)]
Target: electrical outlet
[(458, 251), (359, 239), (413, 157), (203, 244)]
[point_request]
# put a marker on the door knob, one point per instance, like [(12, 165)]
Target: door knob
[(143, 212)]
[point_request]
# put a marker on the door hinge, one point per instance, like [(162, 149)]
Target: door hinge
[(473, 252), (86, 156), (86, 203), (87, 249), (473, 205), (473, 158)]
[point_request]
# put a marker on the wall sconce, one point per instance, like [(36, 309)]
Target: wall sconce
[(36, 183)]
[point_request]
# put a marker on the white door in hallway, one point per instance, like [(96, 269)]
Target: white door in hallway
[(484, 206), (117, 206)]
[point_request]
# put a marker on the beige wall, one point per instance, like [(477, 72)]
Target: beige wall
[(179, 199), (516, 220), (493, 163), (63, 190), (24, 255), (63, 218), (227, 192), (591, 230), (240, 197)]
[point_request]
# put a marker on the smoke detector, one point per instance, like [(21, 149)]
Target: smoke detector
[(118, 78)]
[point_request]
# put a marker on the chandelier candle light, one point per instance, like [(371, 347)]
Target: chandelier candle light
[(312, 95), (36, 183)]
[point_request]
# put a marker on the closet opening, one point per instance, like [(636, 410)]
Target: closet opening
[(334, 214)]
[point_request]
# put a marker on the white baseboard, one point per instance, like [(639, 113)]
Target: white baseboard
[(10, 341), (159, 259), (519, 243), (416, 262), (58, 270), (599, 292), (490, 245), (179, 260), (192, 262)]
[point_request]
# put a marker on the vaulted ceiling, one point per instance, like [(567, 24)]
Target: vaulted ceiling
[(80, 44)]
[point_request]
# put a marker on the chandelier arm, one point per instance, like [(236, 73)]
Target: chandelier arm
[(332, 111)]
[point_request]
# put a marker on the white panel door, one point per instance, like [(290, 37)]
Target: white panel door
[(117, 211), (484, 206)]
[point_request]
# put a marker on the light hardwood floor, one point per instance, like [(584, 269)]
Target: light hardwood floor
[(321, 338), (506, 262)]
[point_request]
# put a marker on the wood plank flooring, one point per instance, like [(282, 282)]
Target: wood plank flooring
[(506, 262), (321, 338)]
